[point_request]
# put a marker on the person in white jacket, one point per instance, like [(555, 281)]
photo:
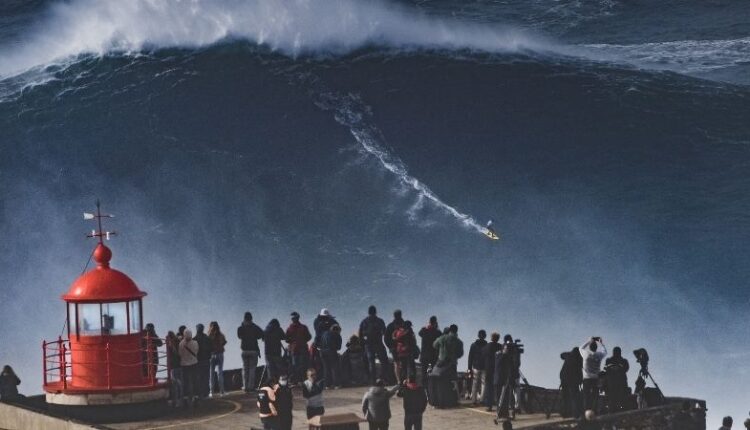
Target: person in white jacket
[(189, 363), (592, 352)]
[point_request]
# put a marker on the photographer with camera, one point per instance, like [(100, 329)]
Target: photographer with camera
[(507, 374), (592, 355)]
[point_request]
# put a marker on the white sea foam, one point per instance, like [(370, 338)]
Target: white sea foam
[(293, 27), (352, 113)]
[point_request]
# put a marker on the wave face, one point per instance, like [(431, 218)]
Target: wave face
[(273, 155)]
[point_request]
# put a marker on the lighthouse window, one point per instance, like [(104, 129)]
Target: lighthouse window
[(72, 323), (135, 316), (114, 318), (90, 319)]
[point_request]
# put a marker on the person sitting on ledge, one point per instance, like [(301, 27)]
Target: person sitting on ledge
[(9, 383)]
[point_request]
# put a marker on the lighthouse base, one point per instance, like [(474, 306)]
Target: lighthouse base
[(110, 407)]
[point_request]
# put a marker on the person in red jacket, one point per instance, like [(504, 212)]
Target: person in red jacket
[(297, 336), (404, 346)]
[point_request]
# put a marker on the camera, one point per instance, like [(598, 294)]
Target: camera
[(641, 356), (518, 346)]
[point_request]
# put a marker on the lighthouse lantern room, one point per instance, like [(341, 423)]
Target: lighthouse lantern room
[(107, 358)]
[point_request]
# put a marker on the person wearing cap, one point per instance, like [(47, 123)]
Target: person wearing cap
[(297, 336), (284, 403), (322, 323)]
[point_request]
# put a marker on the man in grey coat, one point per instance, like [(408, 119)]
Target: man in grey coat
[(376, 405)]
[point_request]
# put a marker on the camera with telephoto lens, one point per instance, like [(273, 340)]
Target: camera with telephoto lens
[(517, 345), (641, 356)]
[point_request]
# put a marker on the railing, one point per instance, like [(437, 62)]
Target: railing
[(58, 364)]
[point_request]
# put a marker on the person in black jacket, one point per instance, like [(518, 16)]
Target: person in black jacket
[(9, 383), (428, 356), (273, 335), (616, 368), (488, 355), (204, 358), (249, 333), (284, 403), (476, 366), (571, 378), (415, 403), (329, 351), (150, 344)]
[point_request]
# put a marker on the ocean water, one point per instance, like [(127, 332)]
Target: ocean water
[(292, 155)]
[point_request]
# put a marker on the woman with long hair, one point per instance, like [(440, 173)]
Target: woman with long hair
[(218, 340)]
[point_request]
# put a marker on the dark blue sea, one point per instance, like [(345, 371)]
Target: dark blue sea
[(278, 155)]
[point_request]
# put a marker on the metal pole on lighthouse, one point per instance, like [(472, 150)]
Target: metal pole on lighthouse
[(101, 235)]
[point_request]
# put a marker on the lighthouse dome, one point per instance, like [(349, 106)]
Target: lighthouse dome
[(103, 284)]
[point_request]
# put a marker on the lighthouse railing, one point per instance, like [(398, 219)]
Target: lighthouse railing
[(56, 362)]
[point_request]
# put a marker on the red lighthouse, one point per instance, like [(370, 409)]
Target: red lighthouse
[(107, 366)]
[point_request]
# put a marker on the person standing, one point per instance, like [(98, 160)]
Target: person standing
[(592, 355), (204, 359), (173, 361), (617, 380), (189, 364), (330, 346), (249, 333), (9, 383), (312, 391), (371, 332), (449, 348), (284, 403), (216, 362), (405, 345), (571, 377), (507, 373), (272, 338), (428, 356), (489, 393), (476, 367), (150, 344), (376, 405), (398, 322), (354, 362), (297, 336), (269, 416), (415, 403)]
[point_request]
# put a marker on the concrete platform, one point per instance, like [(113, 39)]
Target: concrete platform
[(238, 410)]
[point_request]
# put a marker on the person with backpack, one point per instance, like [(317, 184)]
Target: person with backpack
[(204, 359), (405, 345), (330, 346), (189, 363), (216, 362), (297, 336), (371, 332), (273, 335), (450, 348), (415, 403), (476, 367), (428, 356), (398, 322), (376, 405), (249, 334)]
